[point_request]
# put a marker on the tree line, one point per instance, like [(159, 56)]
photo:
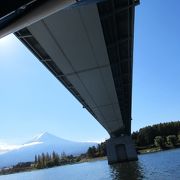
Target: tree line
[(50, 160), (98, 151), (158, 134)]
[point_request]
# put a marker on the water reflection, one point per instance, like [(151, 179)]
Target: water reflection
[(127, 170)]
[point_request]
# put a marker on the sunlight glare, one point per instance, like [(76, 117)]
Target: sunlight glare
[(7, 43)]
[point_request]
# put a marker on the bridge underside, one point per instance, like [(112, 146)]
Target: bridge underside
[(89, 48)]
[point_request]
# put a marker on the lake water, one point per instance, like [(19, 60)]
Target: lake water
[(156, 166)]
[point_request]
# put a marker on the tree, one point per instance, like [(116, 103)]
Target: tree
[(43, 159), (36, 160), (63, 155), (94, 151), (48, 157), (179, 137), (172, 140), (135, 137), (39, 162), (55, 158), (90, 152), (159, 142)]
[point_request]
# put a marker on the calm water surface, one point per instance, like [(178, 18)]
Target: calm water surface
[(155, 166)]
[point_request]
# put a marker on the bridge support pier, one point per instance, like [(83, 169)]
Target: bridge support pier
[(120, 149)]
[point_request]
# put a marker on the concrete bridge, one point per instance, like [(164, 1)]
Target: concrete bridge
[(88, 47)]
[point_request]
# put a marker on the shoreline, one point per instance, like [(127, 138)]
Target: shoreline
[(29, 169), (92, 159), (84, 160), (154, 150)]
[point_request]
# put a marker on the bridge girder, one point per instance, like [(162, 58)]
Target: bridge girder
[(113, 21)]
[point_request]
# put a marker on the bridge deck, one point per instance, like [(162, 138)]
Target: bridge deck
[(90, 50)]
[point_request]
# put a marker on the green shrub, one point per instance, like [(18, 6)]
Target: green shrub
[(159, 142), (172, 140)]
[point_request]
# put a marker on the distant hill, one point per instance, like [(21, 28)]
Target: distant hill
[(43, 143)]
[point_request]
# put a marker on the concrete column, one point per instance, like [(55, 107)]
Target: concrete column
[(120, 149)]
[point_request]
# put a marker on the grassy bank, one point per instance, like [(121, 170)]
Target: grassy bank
[(152, 148)]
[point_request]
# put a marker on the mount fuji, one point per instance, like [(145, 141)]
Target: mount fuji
[(44, 143)]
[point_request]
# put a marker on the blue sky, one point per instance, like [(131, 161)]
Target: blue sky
[(156, 87), (33, 101)]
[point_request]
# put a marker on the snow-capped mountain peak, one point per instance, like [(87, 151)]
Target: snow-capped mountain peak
[(44, 137), (42, 143), (49, 139)]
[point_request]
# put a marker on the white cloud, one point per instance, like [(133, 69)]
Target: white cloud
[(8, 147)]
